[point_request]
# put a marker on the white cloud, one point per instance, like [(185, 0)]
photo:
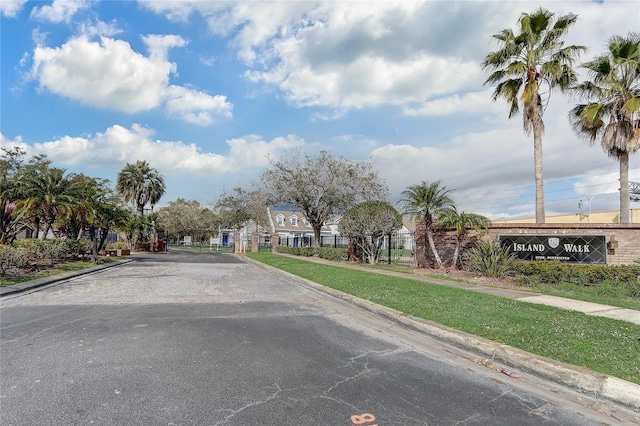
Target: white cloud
[(118, 145), (417, 55), (9, 144), (110, 75), (254, 152), (11, 8), (194, 106), (98, 29), (492, 171), (356, 55), (158, 45), (59, 11), (470, 102)]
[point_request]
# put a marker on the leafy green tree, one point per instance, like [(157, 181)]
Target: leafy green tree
[(241, 206), (428, 201), (612, 109), (367, 223), (321, 186), (181, 216), (528, 64), (140, 184), (462, 223)]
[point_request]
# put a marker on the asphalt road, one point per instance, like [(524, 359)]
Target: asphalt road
[(179, 339)]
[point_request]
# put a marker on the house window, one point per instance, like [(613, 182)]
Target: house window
[(294, 221), (280, 220)]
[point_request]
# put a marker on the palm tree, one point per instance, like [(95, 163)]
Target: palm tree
[(49, 194), (140, 184), (90, 193), (427, 201), (462, 223), (613, 93), (523, 65), (109, 215)]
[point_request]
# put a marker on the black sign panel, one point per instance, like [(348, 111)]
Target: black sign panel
[(563, 248)]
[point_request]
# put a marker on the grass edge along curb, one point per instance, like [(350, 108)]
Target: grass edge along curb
[(589, 380)]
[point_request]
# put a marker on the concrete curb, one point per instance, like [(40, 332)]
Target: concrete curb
[(595, 384), (41, 282)]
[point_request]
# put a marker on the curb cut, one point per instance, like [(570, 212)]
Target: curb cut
[(41, 282), (595, 384)]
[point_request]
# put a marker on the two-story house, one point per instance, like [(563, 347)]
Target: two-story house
[(293, 227)]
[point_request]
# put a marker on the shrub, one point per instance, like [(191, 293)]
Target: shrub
[(329, 253), (12, 257), (296, 251), (489, 259), (117, 245), (332, 253), (527, 280), (557, 272), (31, 251)]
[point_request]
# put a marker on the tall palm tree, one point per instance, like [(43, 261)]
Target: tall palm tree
[(462, 222), (140, 184), (534, 59), (427, 201), (613, 94)]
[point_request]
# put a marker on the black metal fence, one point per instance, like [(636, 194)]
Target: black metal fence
[(397, 248), (199, 240)]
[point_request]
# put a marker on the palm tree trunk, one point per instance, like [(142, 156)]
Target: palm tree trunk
[(456, 253), (625, 202), (47, 227), (537, 159), (433, 248)]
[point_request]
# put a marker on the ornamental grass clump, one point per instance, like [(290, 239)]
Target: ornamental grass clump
[(489, 259)]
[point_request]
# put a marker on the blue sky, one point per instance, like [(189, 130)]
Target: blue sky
[(208, 91)]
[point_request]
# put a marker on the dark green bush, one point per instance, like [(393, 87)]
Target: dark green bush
[(329, 253), (296, 251), (557, 272)]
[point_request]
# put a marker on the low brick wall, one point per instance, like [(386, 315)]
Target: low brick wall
[(627, 236)]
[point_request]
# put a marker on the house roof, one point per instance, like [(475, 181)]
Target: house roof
[(288, 221)]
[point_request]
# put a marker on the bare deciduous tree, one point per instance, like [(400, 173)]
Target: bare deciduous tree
[(321, 185)]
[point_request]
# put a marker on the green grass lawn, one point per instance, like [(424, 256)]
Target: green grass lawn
[(600, 344), (605, 294)]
